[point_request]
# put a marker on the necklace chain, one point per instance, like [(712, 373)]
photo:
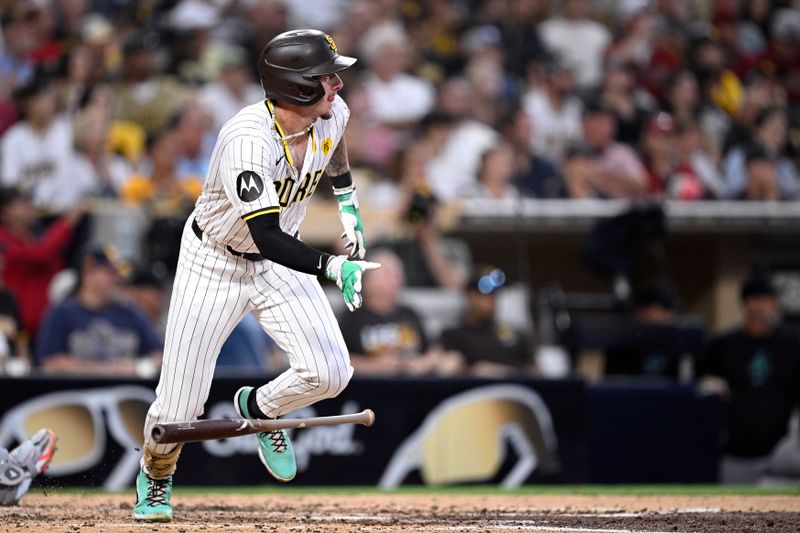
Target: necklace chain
[(287, 138)]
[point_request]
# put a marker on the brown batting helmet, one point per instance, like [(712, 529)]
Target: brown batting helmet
[(291, 62)]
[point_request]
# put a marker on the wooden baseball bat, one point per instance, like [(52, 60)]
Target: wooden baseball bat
[(224, 429)]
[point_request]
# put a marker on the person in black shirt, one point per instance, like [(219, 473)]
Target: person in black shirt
[(756, 369), (490, 349), (387, 337), (645, 353)]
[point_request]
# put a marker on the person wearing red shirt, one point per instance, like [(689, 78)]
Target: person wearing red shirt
[(667, 174), (31, 260)]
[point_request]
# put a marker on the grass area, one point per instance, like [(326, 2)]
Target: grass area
[(673, 490)]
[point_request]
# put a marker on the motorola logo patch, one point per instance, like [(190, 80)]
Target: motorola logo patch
[(249, 186)]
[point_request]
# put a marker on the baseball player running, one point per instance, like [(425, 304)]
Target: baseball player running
[(240, 253)]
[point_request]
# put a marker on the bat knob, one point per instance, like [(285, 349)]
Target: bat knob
[(370, 417)]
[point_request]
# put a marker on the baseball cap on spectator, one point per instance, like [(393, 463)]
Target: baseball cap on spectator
[(786, 25), (661, 123), (106, 256), (377, 37), (192, 15), (486, 280), (479, 38), (96, 29), (757, 285)]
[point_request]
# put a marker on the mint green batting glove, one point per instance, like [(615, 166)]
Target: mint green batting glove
[(347, 275), (351, 222)]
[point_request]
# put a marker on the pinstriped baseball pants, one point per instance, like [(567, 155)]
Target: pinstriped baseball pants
[(212, 292)]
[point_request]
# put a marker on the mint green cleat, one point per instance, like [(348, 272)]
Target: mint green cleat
[(274, 447), (153, 498)]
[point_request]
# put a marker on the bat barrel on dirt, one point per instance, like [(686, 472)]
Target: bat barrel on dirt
[(197, 430)]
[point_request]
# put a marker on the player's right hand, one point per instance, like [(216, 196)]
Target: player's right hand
[(347, 275)]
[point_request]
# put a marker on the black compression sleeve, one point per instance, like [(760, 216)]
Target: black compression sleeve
[(342, 180), (284, 249)]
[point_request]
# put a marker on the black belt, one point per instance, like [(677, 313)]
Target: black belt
[(244, 255)]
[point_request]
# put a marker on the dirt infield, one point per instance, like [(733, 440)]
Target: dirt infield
[(384, 513)]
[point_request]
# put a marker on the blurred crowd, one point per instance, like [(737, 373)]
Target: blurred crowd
[(121, 100)]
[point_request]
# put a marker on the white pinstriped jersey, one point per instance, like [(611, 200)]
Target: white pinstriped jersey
[(247, 159)]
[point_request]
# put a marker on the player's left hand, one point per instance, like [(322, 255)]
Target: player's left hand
[(347, 275), (351, 222)]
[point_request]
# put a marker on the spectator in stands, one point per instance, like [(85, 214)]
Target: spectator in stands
[(37, 151), (162, 191), (578, 171), (696, 154), (387, 337), (762, 176), (97, 35), (233, 88), (519, 27), (667, 175), (770, 133), (647, 354), (143, 95), (196, 143), (761, 93), (783, 54), (429, 258), (578, 41), (492, 85), (756, 369), (495, 176), (534, 175), (167, 199), (93, 161), (16, 65), (753, 24), (191, 22), (554, 112), (371, 145), (629, 104), (710, 63), (76, 86), (617, 172), (489, 349), (683, 98), (456, 163), (31, 260), (95, 333), (636, 40), (387, 82), (146, 291)]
